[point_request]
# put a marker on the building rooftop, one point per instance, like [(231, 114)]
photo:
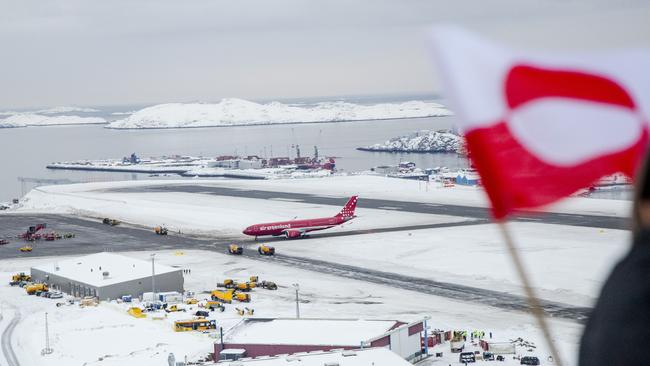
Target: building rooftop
[(332, 332), (365, 357), (90, 269)]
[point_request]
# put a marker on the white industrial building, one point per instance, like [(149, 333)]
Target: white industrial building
[(260, 337), (107, 276), (362, 357)]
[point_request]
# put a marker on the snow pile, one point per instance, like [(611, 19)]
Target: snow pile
[(30, 119), (236, 112), (421, 141)]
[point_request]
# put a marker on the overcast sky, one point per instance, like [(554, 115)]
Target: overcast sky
[(132, 52)]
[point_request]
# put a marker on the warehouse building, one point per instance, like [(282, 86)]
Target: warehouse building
[(258, 337), (362, 357), (107, 276)]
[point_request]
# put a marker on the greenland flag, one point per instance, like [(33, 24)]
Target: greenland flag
[(541, 127)]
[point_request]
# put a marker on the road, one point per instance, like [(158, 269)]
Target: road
[(92, 237), (5, 340), (478, 213)]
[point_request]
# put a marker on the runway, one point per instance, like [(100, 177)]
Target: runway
[(478, 213), (92, 236)]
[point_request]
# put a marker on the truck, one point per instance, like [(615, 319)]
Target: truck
[(266, 250), (268, 285), (457, 345), (223, 296), (235, 249), (111, 222), (244, 286), (214, 305), (19, 277), (227, 283), (32, 289), (242, 297), (160, 230)]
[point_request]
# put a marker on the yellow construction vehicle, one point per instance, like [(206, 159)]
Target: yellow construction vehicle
[(191, 301), (160, 230), (136, 312), (26, 248), (266, 250), (235, 249), (223, 296), (174, 308), (241, 297), (215, 305), (254, 279), (194, 324), (20, 277), (244, 286), (32, 289)]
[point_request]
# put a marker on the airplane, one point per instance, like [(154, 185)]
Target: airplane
[(299, 228)]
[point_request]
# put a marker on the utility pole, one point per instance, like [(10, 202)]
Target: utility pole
[(297, 287), (153, 276), (47, 349)]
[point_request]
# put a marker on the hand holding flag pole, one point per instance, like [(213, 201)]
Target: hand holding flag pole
[(540, 128)]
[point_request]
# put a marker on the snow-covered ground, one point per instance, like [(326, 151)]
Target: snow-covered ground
[(371, 186), (238, 112), (209, 214), (567, 264), (421, 141), (86, 335), (472, 255), (30, 119)]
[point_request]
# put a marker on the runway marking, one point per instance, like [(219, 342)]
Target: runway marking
[(286, 199), (390, 208)]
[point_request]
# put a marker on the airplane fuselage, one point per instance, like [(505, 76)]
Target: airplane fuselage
[(300, 226)]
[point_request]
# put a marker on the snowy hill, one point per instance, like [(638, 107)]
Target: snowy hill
[(237, 112), (53, 110), (28, 119), (422, 141)]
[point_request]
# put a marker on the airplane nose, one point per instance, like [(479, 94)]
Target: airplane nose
[(247, 231)]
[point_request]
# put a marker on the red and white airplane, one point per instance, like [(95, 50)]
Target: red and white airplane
[(299, 228)]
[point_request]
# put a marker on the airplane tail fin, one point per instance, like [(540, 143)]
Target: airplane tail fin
[(348, 209)]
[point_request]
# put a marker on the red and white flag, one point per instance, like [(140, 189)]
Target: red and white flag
[(541, 127)]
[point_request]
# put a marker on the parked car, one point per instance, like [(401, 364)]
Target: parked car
[(467, 357), (55, 295), (529, 360)]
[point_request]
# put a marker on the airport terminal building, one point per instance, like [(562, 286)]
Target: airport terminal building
[(107, 276)]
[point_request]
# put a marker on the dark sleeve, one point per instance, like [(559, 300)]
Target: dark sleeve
[(618, 329)]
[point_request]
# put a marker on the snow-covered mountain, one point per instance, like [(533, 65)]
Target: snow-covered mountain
[(237, 112), (421, 141), (29, 119)]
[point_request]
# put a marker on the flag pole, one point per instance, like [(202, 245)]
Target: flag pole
[(531, 297)]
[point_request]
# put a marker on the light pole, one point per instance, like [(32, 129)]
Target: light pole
[(153, 276), (297, 287)]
